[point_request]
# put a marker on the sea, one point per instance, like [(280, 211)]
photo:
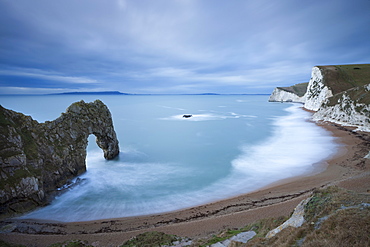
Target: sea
[(232, 144)]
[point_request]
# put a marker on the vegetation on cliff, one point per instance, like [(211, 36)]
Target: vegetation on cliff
[(340, 78), (350, 100), (298, 89), (338, 93)]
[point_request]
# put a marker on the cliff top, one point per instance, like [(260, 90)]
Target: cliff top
[(298, 89), (343, 77)]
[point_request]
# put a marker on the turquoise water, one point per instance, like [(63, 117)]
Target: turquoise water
[(233, 144)]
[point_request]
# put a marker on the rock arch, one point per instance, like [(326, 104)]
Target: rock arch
[(37, 158)]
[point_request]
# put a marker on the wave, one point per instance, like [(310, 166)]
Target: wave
[(292, 149)]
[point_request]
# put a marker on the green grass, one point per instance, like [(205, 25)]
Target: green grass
[(151, 239), (72, 243), (342, 226), (6, 244), (261, 227), (221, 237), (343, 77), (349, 227), (298, 89), (358, 94)]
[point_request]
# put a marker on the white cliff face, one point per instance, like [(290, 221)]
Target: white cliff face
[(349, 107), (279, 95), (317, 92), (348, 111)]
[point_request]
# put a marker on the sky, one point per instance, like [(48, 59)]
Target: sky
[(175, 46)]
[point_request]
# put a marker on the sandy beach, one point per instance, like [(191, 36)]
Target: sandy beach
[(348, 169)]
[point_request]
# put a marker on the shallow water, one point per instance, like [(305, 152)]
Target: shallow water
[(233, 144)]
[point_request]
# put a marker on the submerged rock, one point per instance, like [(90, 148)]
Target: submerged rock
[(37, 158)]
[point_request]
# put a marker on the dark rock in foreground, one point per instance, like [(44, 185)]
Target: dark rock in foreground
[(37, 158)]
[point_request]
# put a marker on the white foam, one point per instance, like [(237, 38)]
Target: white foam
[(207, 117), (294, 148), (171, 107), (112, 191), (295, 145)]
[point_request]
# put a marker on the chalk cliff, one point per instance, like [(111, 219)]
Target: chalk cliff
[(339, 94), (317, 91), (37, 158), (350, 108), (289, 94)]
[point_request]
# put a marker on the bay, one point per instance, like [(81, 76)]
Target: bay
[(232, 144)]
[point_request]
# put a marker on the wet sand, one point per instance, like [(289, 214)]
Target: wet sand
[(348, 169)]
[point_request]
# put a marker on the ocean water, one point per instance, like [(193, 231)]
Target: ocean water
[(233, 144)]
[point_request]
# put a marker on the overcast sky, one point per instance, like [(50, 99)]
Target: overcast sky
[(175, 46)]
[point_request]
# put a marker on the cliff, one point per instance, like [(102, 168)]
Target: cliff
[(37, 158), (350, 108), (338, 94), (289, 94)]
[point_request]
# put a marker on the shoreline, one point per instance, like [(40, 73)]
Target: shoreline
[(347, 168)]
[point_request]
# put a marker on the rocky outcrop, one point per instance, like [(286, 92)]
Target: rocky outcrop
[(339, 94), (317, 92), (289, 94), (37, 158), (281, 95), (236, 240), (349, 108), (296, 220)]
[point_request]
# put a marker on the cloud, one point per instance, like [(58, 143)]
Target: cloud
[(47, 75), (177, 45), (32, 90)]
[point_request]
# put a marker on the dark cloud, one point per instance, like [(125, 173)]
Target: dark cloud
[(175, 46)]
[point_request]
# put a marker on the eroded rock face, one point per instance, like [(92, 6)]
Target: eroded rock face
[(349, 108), (317, 90), (337, 93), (37, 158), (280, 95), (295, 93)]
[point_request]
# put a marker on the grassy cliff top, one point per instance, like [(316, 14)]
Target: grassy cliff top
[(298, 89), (343, 77)]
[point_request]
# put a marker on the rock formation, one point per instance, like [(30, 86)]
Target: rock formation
[(289, 94), (317, 91), (350, 108), (296, 220), (339, 94), (37, 158)]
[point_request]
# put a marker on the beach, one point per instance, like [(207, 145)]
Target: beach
[(347, 168)]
